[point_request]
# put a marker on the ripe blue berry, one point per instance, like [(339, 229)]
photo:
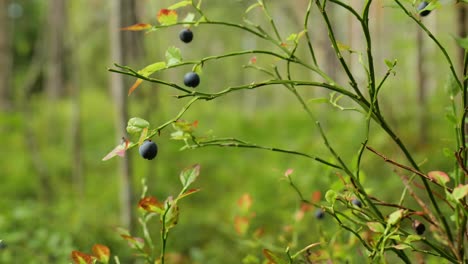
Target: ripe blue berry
[(319, 214), (419, 227), (421, 6), (186, 35), (148, 150), (191, 79), (356, 202)]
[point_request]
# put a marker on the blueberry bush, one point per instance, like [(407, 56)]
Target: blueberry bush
[(428, 221)]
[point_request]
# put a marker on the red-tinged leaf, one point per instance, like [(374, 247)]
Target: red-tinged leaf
[(187, 193), (316, 196), (273, 258), (101, 252), (259, 232), (245, 202), (241, 225), (195, 124), (118, 151), (81, 258), (439, 177), (134, 86), (305, 207), (171, 216), (288, 172), (137, 27), (134, 242), (184, 126), (167, 17), (151, 204)]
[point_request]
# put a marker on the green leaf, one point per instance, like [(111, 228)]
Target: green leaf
[(188, 176), (376, 227), (321, 100), (173, 56), (251, 7), (463, 42), (189, 18), (451, 86), (395, 217), (180, 4), (412, 238), (460, 192), (401, 246), (331, 196), (135, 125), (171, 216), (167, 17), (152, 68), (180, 135), (292, 37), (198, 68)]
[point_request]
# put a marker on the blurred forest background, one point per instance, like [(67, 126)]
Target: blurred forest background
[(62, 112)]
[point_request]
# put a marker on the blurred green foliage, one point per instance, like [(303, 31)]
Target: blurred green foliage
[(41, 230)]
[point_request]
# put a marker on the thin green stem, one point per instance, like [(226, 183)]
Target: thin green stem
[(307, 35), (430, 35), (356, 183), (270, 19), (343, 63), (242, 144)]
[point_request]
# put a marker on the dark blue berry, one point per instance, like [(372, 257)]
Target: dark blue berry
[(186, 35), (421, 6), (191, 79), (148, 150), (419, 227), (356, 202), (319, 214)]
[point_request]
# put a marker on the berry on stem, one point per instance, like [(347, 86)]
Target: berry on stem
[(148, 150), (186, 35), (319, 214), (356, 202), (421, 6), (419, 227), (191, 79)]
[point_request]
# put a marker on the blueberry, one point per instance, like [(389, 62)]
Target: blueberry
[(356, 202), (319, 214), (148, 150), (186, 35), (3, 245), (421, 6), (191, 79), (419, 227)]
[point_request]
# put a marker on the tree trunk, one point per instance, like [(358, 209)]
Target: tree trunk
[(55, 76), (125, 47), (5, 58), (462, 21), (422, 87)]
